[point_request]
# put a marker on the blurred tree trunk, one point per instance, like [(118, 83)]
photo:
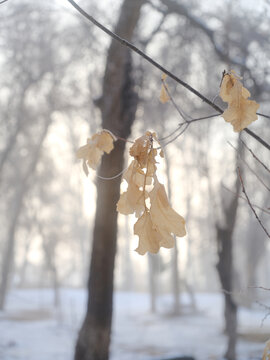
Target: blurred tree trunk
[(225, 263), (18, 205), (118, 107)]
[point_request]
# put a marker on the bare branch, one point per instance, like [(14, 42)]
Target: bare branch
[(176, 136), (267, 308), (259, 287), (243, 198), (3, 1), (160, 67), (250, 169), (250, 205), (263, 115), (255, 157)]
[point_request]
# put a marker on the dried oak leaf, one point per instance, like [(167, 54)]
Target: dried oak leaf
[(165, 220), (151, 162), (149, 238), (134, 174), (131, 201), (104, 141), (163, 97), (139, 150), (91, 152), (240, 112)]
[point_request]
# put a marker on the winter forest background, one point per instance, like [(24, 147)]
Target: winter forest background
[(63, 79)]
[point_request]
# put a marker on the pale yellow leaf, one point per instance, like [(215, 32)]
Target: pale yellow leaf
[(104, 141), (131, 201), (163, 97), (240, 112), (135, 175), (165, 219), (149, 238), (92, 152), (164, 76), (139, 150)]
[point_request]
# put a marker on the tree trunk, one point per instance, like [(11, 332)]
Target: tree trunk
[(225, 271), (118, 106), (20, 195), (225, 265)]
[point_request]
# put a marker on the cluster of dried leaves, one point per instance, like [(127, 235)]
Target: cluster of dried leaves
[(240, 112), (146, 197), (157, 221)]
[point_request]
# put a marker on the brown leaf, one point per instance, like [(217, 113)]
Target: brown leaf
[(163, 97), (240, 112), (104, 141), (131, 201), (165, 220), (91, 152), (139, 150), (135, 175), (149, 238)]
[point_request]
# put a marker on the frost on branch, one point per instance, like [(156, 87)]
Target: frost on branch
[(240, 112), (158, 222), (92, 152)]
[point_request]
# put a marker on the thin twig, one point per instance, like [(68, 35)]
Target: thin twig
[(3, 1), (259, 287), (202, 118), (112, 177), (250, 205), (263, 115), (172, 133), (266, 307), (182, 114), (255, 157), (250, 169), (123, 139), (180, 111), (176, 137), (160, 67), (243, 198)]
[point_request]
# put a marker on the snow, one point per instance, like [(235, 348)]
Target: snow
[(31, 329)]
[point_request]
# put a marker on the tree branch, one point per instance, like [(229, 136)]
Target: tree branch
[(255, 157), (160, 67), (250, 205)]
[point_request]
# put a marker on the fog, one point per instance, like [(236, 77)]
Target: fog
[(52, 98)]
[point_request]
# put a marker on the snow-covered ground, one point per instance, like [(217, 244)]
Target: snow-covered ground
[(31, 330)]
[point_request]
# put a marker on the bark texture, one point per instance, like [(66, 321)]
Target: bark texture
[(118, 107)]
